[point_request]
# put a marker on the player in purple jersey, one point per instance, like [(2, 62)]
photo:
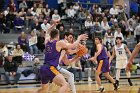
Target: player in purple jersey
[(52, 58), (103, 64)]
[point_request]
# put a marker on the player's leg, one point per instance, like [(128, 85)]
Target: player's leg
[(70, 77), (60, 80), (89, 74), (118, 71), (128, 74)]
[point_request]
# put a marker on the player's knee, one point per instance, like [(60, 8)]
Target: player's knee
[(66, 85)]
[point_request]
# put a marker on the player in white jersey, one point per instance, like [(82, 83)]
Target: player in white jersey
[(120, 50)]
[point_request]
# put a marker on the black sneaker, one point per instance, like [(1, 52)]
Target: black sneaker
[(130, 83), (115, 86), (117, 82), (101, 89)]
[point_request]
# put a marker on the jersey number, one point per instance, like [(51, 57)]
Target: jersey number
[(120, 52)]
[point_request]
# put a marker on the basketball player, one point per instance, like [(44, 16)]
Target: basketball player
[(134, 53), (52, 57), (120, 50), (103, 64)]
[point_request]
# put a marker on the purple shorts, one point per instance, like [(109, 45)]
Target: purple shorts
[(48, 73), (103, 66)]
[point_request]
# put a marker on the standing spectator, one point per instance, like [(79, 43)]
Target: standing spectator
[(22, 41), (32, 39), (11, 67), (137, 33), (40, 41), (56, 16), (45, 25), (17, 54), (29, 18), (23, 4), (18, 23)]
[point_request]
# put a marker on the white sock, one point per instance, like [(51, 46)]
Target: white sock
[(101, 87), (128, 74), (118, 74)]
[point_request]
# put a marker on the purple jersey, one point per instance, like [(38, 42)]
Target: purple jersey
[(103, 54), (51, 54)]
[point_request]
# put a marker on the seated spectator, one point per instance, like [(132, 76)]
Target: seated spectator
[(45, 25), (46, 10), (22, 41), (98, 10), (88, 23), (12, 6), (108, 39), (7, 11), (104, 24), (118, 34), (113, 10), (23, 5), (40, 18), (124, 29), (32, 41), (18, 23), (35, 26), (4, 49), (76, 7), (36, 68), (11, 67), (59, 25), (71, 14), (62, 32), (40, 41), (17, 54), (22, 14), (29, 18), (39, 10), (96, 20), (2, 23), (56, 16), (81, 18)]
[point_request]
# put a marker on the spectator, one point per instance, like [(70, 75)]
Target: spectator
[(4, 49), (32, 39), (45, 25), (11, 67), (39, 10), (40, 41), (113, 10), (7, 11), (18, 23), (62, 32), (55, 16), (118, 34), (2, 23), (47, 10), (124, 29), (76, 7), (81, 18), (88, 23), (109, 38), (104, 24), (22, 14), (17, 54), (23, 5), (36, 68), (29, 18), (22, 41), (10, 19), (96, 20), (12, 6), (137, 33), (35, 26), (71, 14), (98, 10)]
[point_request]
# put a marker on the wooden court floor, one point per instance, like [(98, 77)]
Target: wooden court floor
[(81, 88)]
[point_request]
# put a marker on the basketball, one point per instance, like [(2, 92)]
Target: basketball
[(82, 50), (134, 68)]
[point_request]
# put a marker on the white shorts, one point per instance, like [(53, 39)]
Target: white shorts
[(121, 64)]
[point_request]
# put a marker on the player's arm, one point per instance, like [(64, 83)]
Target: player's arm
[(113, 55), (68, 61), (64, 45), (134, 53), (99, 49), (70, 51), (127, 50)]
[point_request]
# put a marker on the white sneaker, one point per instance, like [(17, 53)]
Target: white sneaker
[(89, 79)]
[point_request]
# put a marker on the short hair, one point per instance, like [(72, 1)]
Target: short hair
[(118, 38), (54, 33)]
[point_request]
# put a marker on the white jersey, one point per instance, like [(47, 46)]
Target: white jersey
[(120, 53)]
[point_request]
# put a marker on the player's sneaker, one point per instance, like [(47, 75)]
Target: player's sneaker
[(130, 83), (101, 89)]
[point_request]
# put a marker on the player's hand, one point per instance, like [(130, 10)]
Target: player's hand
[(129, 66), (83, 37), (92, 59)]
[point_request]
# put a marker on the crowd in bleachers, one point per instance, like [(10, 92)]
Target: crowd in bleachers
[(33, 22)]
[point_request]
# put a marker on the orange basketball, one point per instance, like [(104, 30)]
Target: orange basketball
[(82, 50)]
